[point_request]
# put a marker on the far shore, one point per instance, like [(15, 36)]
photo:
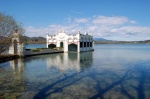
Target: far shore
[(105, 43)]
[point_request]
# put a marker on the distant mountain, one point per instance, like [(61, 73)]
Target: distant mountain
[(42, 40), (34, 40), (146, 41), (99, 39)]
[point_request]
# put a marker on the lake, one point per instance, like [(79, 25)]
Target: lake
[(120, 71)]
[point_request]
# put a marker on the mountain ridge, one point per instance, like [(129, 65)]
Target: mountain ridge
[(42, 40)]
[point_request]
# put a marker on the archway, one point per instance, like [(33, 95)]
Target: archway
[(61, 44), (15, 47), (51, 46), (72, 47)]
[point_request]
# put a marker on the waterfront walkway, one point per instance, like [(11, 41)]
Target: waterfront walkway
[(45, 51), (5, 58)]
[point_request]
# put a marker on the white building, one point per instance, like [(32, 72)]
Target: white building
[(78, 42)]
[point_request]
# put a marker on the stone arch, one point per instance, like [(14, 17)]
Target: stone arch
[(72, 47), (15, 47), (51, 46), (61, 44)]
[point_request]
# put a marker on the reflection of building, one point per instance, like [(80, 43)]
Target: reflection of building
[(78, 42), (17, 65), (70, 61)]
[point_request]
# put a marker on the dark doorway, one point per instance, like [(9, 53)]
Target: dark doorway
[(61, 44), (72, 47), (51, 46), (15, 47)]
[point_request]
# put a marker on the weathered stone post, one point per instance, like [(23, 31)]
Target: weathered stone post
[(17, 46), (78, 46)]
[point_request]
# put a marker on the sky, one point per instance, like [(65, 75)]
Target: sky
[(125, 20)]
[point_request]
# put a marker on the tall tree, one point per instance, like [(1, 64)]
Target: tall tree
[(7, 27)]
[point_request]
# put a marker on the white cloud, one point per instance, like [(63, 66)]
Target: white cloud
[(133, 22), (81, 20), (103, 20), (118, 27), (136, 30)]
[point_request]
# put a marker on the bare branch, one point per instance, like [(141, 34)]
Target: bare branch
[(7, 26)]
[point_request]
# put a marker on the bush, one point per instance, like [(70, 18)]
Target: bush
[(36, 50)]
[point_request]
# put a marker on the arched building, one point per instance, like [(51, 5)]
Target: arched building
[(77, 43)]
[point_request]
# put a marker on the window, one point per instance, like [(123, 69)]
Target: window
[(81, 45), (84, 44), (87, 44), (90, 44)]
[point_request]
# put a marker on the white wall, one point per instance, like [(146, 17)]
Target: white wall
[(69, 39)]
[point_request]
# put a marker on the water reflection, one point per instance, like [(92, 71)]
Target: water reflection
[(61, 67), (102, 74), (12, 83), (70, 61), (18, 67)]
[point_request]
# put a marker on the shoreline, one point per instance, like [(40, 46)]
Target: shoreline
[(9, 57), (6, 58)]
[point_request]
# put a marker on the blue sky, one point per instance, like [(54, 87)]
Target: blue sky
[(109, 19)]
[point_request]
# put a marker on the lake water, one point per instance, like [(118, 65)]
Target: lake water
[(109, 72), (33, 46)]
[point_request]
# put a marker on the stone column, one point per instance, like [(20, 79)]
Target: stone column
[(92, 45), (58, 44), (78, 49), (47, 40), (47, 45), (65, 46)]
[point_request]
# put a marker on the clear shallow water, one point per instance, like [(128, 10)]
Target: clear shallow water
[(111, 71)]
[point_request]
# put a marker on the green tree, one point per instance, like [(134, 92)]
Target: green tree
[(7, 27)]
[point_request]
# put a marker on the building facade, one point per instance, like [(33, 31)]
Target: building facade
[(76, 43)]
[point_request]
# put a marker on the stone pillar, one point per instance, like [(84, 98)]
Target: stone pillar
[(65, 46), (17, 47), (92, 45), (47, 45), (78, 49), (57, 44), (47, 40)]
